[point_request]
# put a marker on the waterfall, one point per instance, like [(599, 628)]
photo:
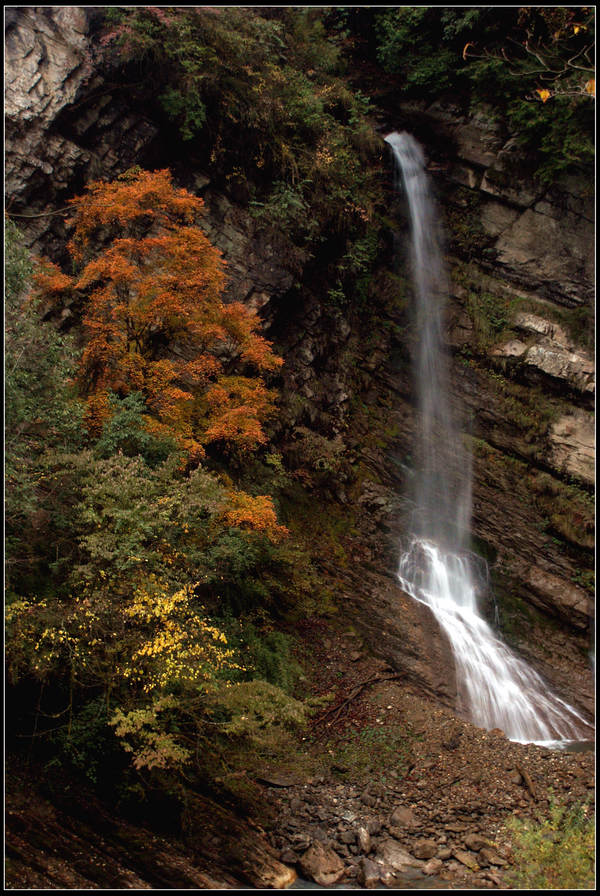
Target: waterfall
[(495, 687)]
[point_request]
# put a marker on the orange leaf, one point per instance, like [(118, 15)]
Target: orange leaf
[(544, 94), (590, 87), (465, 48), (151, 280)]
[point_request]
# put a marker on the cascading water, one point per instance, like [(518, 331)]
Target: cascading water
[(495, 687)]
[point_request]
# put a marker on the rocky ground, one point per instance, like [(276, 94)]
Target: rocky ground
[(387, 789), (412, 795)]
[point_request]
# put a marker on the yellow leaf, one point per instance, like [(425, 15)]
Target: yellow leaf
[(544, 94), (590, 87)]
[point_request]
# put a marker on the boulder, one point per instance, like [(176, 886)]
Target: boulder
[(321, 865), (476, 842), (466, 858), (369, 873), (363, 840), (489, 856), (390, 853)]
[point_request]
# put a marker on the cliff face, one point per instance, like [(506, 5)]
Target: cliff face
[(520, 329)]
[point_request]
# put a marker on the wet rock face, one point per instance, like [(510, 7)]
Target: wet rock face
[(531, 389)]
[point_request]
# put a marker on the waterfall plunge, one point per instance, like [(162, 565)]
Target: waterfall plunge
[(498, 689)]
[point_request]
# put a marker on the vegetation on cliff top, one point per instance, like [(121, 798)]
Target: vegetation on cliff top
[(532, 68), (259, 99)]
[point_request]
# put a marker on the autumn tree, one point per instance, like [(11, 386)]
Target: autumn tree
[(154, 320)]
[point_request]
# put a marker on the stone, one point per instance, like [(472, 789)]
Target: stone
[(499, 179), (390, 853), (573, 445), (403, 817), (281, 878), (549, 350), (465, 176), (374, 826), (543, 251), (558, 362), (363, 840), (514, 348), (489, 856), (476, 144), (425, 849), (496, 217), (433, 866), (476, 841), (466, 858), (368, 873), (554, 593), (321, 865)]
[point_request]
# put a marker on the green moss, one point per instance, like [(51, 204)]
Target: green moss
[(468, 238), (526, 408), (490, 313), (372, 753), (568, 510), (586, 579), (514, 614)]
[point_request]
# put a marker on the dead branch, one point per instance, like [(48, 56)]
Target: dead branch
[(335, 711)]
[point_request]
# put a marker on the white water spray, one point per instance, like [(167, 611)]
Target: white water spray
[(495, 687)]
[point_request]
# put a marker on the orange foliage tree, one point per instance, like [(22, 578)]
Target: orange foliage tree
[(154, 319)]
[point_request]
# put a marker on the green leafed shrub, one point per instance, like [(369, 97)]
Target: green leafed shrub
[(258, 97), (42, 424), (557, 853), (252, 710), (125, 431)]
